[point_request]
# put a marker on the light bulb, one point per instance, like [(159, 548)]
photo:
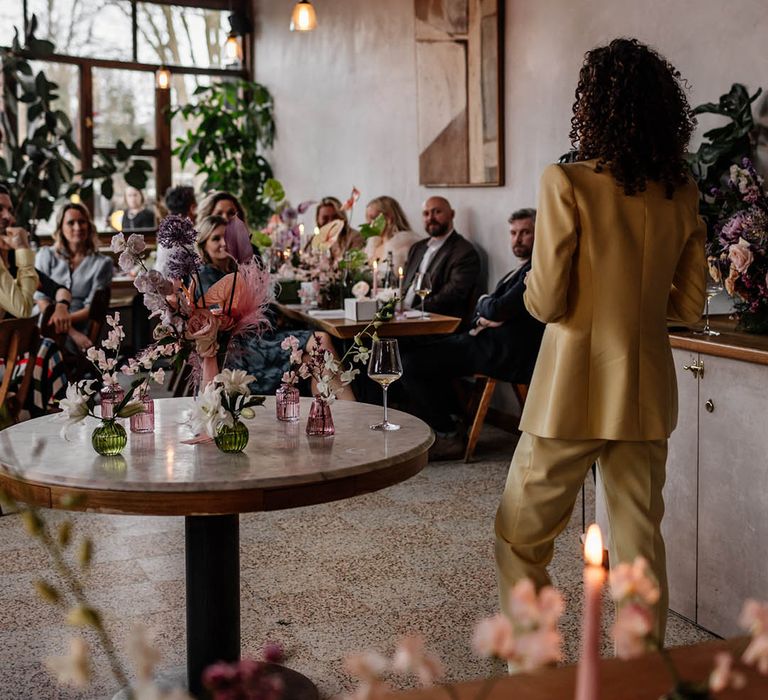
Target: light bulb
[(303, 18)]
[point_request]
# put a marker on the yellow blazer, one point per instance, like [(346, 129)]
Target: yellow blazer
[(608, 271)]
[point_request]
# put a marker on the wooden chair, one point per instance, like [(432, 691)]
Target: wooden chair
[(18, 337), (479, 408)]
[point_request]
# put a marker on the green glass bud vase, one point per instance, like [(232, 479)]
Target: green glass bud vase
[(232, 439), (109, 438)]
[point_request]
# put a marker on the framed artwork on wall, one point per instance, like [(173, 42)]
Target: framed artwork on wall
[(459, 74)]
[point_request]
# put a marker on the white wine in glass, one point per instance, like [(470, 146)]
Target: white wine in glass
[(422, 286), (385, 367), (714, 287)]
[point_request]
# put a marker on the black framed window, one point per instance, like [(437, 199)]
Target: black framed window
[(107, 54)]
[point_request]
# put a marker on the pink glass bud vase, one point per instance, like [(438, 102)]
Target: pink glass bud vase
[(287, 403), (111, 396), (320, 421), (144, 422)]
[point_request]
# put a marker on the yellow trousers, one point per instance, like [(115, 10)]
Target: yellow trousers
[(542, 486)]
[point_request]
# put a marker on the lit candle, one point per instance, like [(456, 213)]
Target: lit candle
[(301, 236), (287, 254), (375, 278), (401, 279), (588, 673)]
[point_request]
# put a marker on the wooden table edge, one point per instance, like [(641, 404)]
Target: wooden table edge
[(216, 502)]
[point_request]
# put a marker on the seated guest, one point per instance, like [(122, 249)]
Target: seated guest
[(451, 261), (73, 261), (503, 343), (181, 201), (136, 215), (259, 355), (329, 209), (238, 236), (18, 279), (396, 238)]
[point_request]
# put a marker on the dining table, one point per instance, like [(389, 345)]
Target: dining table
[(334, 322), (160, 474), (645, 678)]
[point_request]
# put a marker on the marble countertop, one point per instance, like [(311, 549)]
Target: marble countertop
[(279, 458)]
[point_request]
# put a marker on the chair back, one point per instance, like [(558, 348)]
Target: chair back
[(18, 337), (97, 315)]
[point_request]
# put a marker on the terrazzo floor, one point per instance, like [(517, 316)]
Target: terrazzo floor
[(323, 580)]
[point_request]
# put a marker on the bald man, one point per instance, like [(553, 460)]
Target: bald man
[(451, 261)]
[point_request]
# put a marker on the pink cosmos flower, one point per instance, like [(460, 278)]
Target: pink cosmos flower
[(631, 630), (412, 658), (631, 581), (723, 676), (494, 636), (754, 619)]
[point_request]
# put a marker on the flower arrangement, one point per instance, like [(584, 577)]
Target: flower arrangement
[(738, 257), (635, 593), (220, 406), (80, 401), (193, 326), (527, 638)]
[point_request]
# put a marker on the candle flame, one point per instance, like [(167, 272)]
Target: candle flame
[(593, 546), (375, 264), (400, 271)]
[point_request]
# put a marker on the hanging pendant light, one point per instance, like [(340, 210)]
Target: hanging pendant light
[(163, 78), (303, 18), (233, 51)]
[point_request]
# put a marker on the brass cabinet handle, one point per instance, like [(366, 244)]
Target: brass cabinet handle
[(709, 405), (696, 368)]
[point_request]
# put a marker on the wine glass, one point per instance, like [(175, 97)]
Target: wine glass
[(422, 286), (385, 367), (714, 287)]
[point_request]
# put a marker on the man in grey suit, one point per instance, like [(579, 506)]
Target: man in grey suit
[(451, 261)]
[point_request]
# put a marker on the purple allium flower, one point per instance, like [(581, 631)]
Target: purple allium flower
[(175, 230), (182, 263)]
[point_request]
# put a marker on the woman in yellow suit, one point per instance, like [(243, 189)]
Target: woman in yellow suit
[(619, 250)]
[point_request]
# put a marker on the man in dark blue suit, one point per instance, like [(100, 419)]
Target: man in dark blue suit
[(503, 343)]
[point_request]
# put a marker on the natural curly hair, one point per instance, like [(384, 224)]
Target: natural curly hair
[(631, 113)]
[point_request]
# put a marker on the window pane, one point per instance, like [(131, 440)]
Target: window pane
[(11, 15), (96, 28), (181, 36), (108, 211), (123, 107), (182, 92)]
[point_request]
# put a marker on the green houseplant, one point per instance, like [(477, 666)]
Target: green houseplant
[(722, 147), (235, 124)]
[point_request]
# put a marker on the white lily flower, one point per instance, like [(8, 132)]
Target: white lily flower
[(235, 381)]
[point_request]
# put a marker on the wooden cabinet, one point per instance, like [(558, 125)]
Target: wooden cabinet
[(716, 522)]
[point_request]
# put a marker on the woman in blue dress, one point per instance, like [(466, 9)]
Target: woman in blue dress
[(73, 262), (260, 355)]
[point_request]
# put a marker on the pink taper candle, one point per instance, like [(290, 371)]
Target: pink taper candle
[(588, 673), (400, 290), (375, 279)]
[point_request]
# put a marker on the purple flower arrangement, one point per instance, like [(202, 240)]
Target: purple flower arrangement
[(739, 255)]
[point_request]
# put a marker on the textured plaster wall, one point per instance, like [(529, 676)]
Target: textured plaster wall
[(345, 94)]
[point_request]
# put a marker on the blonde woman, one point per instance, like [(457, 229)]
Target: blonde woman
[(73, 261), (226, 205), (396, 238), (259, 355)]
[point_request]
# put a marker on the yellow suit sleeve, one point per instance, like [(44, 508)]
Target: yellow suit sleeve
[(16, 295), (688, 293), (546, 295)]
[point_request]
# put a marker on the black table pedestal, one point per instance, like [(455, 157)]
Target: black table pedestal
[(213, 593)]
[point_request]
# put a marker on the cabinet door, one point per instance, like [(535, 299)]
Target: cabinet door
[(679, 524), (733, 491)]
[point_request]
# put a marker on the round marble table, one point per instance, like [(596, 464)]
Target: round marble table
[(159, 475)]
